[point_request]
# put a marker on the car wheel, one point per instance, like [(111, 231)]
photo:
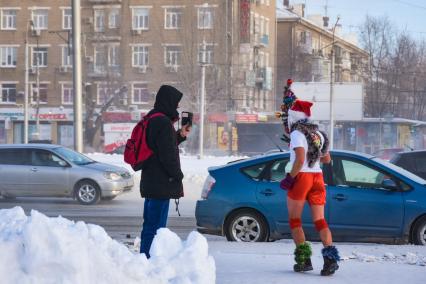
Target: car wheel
[(419, 232), (246, 226), (87, 192)]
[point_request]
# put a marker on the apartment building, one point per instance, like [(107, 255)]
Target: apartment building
[(139, 44), (304, 46)]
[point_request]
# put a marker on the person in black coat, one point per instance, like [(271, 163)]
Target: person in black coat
[(161, 178)]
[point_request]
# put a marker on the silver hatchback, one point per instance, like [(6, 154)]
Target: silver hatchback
[(45, 170)]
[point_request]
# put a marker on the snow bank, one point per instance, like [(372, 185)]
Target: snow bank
[(38, 249)]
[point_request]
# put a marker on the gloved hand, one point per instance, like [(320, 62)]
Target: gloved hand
[(288, 182)]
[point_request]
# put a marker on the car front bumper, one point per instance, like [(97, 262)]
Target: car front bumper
[(114, 188)]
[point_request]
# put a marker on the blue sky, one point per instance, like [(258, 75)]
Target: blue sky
[(405, 14)]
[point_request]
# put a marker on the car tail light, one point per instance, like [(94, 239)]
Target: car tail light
[(208, 186)]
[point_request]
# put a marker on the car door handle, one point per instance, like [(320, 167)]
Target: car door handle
[(34, 169), (267, 192), (339, 197)]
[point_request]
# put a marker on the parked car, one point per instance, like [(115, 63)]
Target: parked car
[(47, 170), (387, 154), (414, 161), (368, 199)]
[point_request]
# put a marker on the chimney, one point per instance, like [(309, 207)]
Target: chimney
[(299, 9), (325, 20), (286, 3)]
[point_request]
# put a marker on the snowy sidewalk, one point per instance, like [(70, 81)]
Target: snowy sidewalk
[(273, 262)]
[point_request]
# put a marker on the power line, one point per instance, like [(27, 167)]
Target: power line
[(410, 4)]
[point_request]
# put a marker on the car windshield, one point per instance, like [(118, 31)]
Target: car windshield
[(73, 157), (401, 171)]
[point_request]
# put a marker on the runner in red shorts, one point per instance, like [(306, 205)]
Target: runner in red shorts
[(308, 148)]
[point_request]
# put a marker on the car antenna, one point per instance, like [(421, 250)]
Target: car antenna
[(273, 142)]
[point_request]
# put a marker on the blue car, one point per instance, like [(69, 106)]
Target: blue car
[(368, 199)]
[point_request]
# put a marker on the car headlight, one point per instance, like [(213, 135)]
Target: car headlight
[(112, 175)]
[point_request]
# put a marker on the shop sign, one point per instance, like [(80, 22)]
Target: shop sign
[(247, 118)]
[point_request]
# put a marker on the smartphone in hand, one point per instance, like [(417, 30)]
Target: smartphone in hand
[(186, 118)]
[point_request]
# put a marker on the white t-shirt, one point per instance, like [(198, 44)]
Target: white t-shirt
[(298, 139)]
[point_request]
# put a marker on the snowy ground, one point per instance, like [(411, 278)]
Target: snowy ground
[(38, 249)]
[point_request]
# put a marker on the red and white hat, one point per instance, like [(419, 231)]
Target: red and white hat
[(300, 110)]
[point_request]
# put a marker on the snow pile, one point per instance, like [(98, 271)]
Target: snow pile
[(38, 249)]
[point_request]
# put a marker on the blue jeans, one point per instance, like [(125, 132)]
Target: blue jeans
[(155, 213)]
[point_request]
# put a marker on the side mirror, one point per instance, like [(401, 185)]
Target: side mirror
[(389, 184)]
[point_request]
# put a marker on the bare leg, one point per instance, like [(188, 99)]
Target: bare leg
[(295, 209), (325, 234)]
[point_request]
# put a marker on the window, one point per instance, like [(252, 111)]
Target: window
[(43, 93), (67, 19), (100, 59), (8, 56), (66, 57), (14, 157), (140, 18), (40, 19), (39, 56), (266, 26), (114, 19), (254, 171), (8, 19), (99, 20), (67, 94), (208, 53), (140, 93), (45, 158), (140, 56), (104, 94), (205, 18), (8, 93), (279, 170), (172, 55), (356, 174), (114, 56), (173, 18)]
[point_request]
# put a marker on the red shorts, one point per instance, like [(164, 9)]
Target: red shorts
[(310, 187)]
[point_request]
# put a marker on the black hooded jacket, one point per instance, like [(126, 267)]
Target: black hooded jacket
[(161, 173)]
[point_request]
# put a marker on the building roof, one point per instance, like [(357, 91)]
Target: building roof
[(284, 15)]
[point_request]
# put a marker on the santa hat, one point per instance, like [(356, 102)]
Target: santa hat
[(289, 82), (300, 110)]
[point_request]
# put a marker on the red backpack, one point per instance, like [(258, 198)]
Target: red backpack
[(137, 150)]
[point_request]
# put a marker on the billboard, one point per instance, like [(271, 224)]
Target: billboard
[(347, 99)]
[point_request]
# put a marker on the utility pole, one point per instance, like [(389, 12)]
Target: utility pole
[(26, 95), (77, 76), (203, 95), (332, 89), (37, 133)]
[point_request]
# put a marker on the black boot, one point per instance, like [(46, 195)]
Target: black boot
[(307, 266), (331, 257), (302, 256)]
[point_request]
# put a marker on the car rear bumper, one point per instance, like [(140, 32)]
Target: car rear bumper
[(209, 220), (114, 188)]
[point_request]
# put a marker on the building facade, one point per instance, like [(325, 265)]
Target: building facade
[(138, 44), (304, 47)]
